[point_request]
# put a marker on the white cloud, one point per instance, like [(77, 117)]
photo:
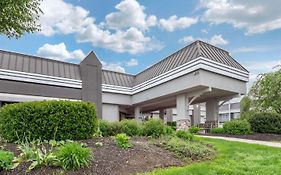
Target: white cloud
[(130, 14), (113, 67), (173, 23), (254, 16), (61, 17), (59, 52), (214, 40), (132, 62)]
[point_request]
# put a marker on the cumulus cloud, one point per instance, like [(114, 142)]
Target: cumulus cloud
[(173, 23), (254, 16), (130, 14), (60, 52), (214, 40), (132, 62), (113, 67), (64, 18)]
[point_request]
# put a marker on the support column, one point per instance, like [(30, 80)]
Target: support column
[(138, 115), (212, 109), (196, 114), (182, 118), (161, 114)]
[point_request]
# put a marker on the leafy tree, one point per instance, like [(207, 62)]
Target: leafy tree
[(266, 92), (18, 17), (245, 106)]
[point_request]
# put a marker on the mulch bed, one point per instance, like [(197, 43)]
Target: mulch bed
[(110, 160), (255, 136)]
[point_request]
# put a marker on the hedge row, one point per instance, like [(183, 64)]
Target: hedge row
[(266, 123), (46, 120)]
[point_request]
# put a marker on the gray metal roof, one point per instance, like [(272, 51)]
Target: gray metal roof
[(185, 55), (33, 64), (38, 65), (117, 78)]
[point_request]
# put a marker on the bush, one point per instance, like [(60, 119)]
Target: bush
[(154, 128), (173, 125), (237, 127), (194, 130), (189, 150), (130, 127), (184, 135), (217, 131), (122, 140), (74, 156), (6, 160), (266, 123), (109, 128), (46, 120)]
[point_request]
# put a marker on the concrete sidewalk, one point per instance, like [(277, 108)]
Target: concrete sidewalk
[(272, 144)]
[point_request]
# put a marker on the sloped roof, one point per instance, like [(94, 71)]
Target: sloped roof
[(117, 78), (38, 65), (185, 55)]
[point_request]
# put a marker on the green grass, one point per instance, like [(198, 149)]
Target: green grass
[(233, 158)]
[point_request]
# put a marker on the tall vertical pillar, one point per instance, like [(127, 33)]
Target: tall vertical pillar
[(161, 114), (138, 115), (196, 114), (212, 109), (182, 118)]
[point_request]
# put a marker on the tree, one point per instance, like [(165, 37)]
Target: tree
[(19, 16), (266, 92)]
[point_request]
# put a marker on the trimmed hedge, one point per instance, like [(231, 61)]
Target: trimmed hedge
[(266, 123), (46, 120), (237, 127), (217, 131)]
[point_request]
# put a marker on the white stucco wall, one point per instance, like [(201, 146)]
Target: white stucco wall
[(110, 112)]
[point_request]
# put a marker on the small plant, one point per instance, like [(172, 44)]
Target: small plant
[(74, 156), (184, 135), (194, 130), (6, 160), (37, 155), (217, 131), (122, 140), (237, 127)]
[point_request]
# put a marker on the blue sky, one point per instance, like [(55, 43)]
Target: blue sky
[(130, 35)]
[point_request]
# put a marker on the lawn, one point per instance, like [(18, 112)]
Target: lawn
[(233, 158)]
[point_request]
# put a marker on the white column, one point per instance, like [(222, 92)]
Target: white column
[(196, 114), (212, 109), (161, 114), (138, 115), (182, 107)]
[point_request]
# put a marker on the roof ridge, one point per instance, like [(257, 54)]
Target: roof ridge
[(124, 73), (203, 42), (199, 51)]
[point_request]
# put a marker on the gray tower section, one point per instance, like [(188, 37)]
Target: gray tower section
[(91, 74)]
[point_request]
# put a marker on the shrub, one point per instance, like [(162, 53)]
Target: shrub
[(173, 125), (237, 127), (6, 160), (217, 131), (266, 123), (46, 120), (188, 150), (122, 140), (194, 130), (184, 135), (74, 156), (130, 127), (154, 128)]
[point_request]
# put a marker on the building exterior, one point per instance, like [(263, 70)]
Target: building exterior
[(197, 73)]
